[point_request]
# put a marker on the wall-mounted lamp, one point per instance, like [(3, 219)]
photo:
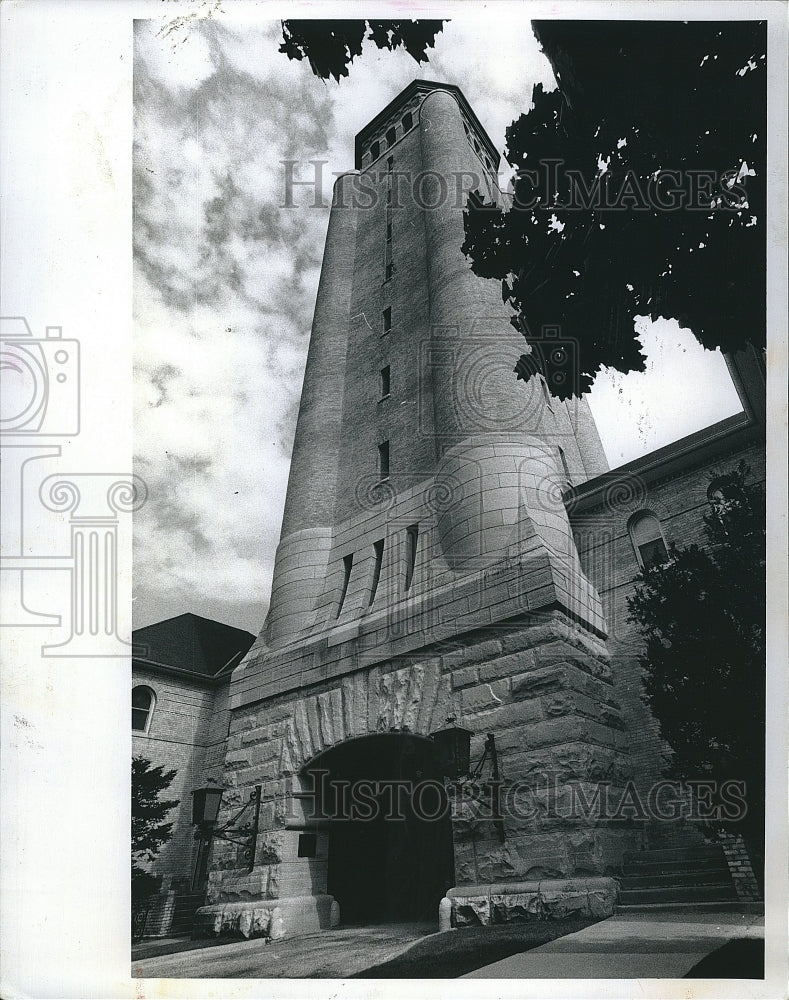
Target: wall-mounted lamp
[(454, 745), (205, 810)]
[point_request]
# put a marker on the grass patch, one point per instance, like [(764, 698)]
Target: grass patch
[(454, 953)]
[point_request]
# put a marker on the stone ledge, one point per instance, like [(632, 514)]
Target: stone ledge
[(270, 919), (547, 899)]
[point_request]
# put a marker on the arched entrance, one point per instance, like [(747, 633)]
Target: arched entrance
[(390, 834)]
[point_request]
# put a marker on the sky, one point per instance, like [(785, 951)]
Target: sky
[(225, 284)]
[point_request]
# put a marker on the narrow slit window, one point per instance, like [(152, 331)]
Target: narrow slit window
[(384, 382), (564, 462), (388, 232), (374, 150), (411, 539), (347, 563), (388, 271), (408, 121), (647, 538), (383, 459), (391, 137), (387, 317), (378, 550), (389, 163)]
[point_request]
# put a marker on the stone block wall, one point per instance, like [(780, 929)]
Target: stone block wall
[(543, 684)]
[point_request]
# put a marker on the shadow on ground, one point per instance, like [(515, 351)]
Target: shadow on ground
[(740, 959), (454, 953)]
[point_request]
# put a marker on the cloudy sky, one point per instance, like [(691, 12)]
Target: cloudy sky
[(225, 283)]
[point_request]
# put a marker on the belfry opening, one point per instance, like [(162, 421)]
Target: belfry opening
[(382, 801)]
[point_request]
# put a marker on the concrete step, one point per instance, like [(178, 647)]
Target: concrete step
[(679, 894), (672, 854), (185, 908), (647, 866), (678, 876), (724, 907)]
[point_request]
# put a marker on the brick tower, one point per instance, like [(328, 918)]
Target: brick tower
[(426, 575)]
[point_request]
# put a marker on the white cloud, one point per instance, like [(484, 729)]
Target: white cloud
[(226, 282)]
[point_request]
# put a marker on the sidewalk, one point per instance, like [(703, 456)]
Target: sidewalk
[(659, 944), (330, 954)]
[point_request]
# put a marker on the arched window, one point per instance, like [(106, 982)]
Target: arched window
[(391, 137), (647, 538), (143, 700), (374, 151), (408, 121)]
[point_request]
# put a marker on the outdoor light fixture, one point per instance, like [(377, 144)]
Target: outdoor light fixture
[(454, 745), (454, 749), (205, 810)]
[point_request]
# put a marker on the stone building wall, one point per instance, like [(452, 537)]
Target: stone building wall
[(187, 732), (542, 684), (606, 552)]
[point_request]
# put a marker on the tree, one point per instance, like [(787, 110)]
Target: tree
[(640, 189), (702, 614), (330, 46), (149, 831)]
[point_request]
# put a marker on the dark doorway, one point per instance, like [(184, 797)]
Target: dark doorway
[(390, 833)]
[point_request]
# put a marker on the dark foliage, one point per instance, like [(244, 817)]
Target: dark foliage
[(703, 615), (148, 829), (330, 46), (588, 249)]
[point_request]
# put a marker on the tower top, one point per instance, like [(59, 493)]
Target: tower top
[(388, 126)]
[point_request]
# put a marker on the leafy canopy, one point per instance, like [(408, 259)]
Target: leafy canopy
[(703, 615), (149, 831), (640, 190), (331, 46)]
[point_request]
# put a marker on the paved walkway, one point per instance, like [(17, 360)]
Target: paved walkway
[(329, 954), (660, 944)]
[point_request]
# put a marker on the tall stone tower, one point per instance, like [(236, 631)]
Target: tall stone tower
[(426, 576)]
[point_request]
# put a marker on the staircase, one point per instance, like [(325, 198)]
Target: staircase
[(676, 875), (186, 905)]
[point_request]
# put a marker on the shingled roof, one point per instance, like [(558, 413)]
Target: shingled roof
[(191, 644)]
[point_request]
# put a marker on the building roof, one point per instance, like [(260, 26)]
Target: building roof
[(189, 644), (423, 87)]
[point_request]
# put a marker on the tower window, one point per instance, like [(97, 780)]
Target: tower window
[(388, 271), (411, 539), (647, 538), (378, 550), (384, 382), (383, 459), (389, 163), (143, 700), (391, 137), (375, 149), (308, 845), (408, 121), (347, 563), (564, 462), (388, 232), (387, 316)]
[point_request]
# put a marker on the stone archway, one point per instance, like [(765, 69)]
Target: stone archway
[(382, 800)]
